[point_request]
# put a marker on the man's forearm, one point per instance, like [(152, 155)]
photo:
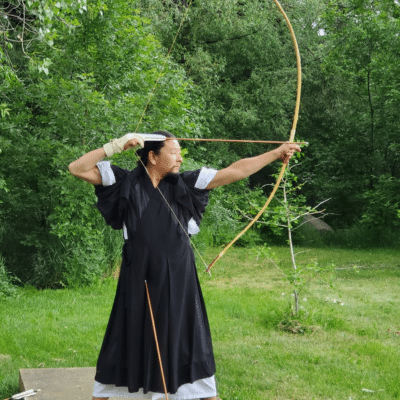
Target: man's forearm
[(87, 162), (249, 166), (243, 168), (85, 167)]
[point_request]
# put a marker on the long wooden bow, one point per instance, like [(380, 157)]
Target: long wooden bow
[(291, 139)]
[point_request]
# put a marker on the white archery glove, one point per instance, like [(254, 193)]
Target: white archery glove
[(116, 146)]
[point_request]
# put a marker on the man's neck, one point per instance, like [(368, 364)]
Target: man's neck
[(155, 176)]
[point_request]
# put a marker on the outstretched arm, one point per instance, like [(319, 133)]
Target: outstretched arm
[(248, 166)]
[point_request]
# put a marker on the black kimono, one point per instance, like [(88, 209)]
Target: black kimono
[(157, 250)]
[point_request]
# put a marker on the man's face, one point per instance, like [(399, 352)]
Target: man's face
[(169, 160)]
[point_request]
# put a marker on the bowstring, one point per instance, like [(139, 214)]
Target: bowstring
[(163, 66), (176, 217), (140, 122)]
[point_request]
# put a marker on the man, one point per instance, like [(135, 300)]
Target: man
[(158, 209)]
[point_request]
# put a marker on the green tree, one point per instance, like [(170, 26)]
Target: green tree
[(349, 108), (85, 81), (240, 56)]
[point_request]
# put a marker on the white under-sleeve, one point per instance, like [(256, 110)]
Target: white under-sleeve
[(107, 174), (205, 177), (193, 228)]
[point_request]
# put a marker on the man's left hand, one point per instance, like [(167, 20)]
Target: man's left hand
[(286, 151)]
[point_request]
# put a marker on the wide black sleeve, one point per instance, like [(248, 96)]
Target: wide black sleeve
[(198, 197), (112, 200)]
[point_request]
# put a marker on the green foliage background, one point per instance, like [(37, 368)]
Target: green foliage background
[(75, 74)]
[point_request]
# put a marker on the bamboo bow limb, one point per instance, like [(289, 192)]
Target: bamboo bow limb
[(291, 138)]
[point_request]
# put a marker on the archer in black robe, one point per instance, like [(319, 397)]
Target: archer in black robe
[(158, 251)]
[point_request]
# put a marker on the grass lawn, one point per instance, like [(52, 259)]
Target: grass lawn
[(351, 352)]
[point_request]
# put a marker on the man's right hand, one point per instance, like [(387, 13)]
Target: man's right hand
[(132, 143), (124, 143)]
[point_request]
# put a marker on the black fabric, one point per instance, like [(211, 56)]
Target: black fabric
[(158, 251)]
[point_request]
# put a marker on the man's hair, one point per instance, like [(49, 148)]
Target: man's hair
[(154, 146)]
